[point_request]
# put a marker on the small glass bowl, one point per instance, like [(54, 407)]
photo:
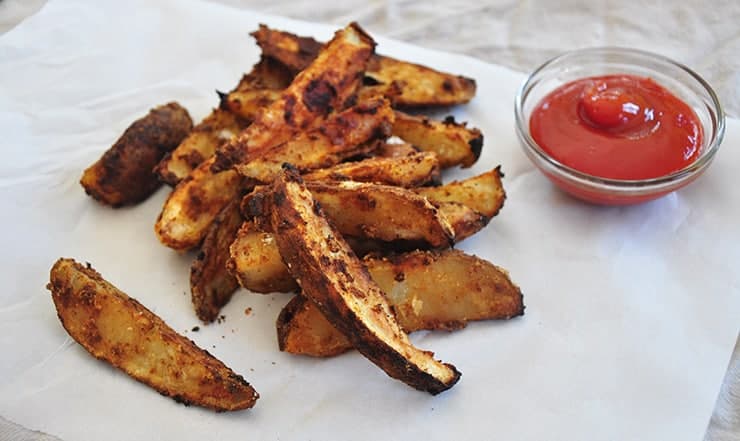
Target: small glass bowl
[(679, 79)]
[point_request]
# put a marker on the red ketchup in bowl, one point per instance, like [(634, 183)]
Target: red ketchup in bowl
[(618, 127)]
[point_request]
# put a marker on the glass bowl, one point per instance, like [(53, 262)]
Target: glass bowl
[(679, 79)]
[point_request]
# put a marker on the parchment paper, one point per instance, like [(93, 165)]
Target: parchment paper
[(631, 315)]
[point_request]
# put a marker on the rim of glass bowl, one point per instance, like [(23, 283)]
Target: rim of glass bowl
[(704, 159)]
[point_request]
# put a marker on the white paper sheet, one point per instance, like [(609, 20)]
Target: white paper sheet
[(631, 315)]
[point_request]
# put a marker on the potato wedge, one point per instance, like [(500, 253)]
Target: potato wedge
[(413, 170), (382, 212), (419, 85), (256, 263), (248, 103), (454, 143), (194, 204), (211, 283), (123, 175), (215, 129), (332, 276), (342, 135), (483, 193), (434, 290), (328, 83), (117, 329)]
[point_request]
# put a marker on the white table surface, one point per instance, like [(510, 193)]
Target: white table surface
[(520, 35)]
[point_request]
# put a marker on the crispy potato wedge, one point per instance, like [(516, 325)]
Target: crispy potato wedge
[(332, 276), (218, 127), (211, 284), (123, 175), (342, 135), (419, 86), (454, 143), (434, 290), (248, 103), (295, 52), (328, 83), (382, 212), (483, 193), (413, 170), (117, 329), (194, 204), (256, 263)]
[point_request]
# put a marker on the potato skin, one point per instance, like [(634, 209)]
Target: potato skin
[(117, 329), (123, 175)]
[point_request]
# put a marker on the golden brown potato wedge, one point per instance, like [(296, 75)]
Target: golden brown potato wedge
[(419, 85), (248, 103), (295, 52), (326, 84), (483, 193), (256, 263), (454, 143), (117, 329), (435, 290), (218, 127), (123, 175), (332, 276), (342, 135), (194, 204), (211, 284), (413, 170), (382, 212)]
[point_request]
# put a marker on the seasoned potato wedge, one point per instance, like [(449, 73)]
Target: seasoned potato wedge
[(123, 175), (435, 290), (413, 170), (454, 143), (211, 284), (341, 136), (332, 276), (419, 86), (193, 204), (483, 193), (295, 52), (218, 127), (326, 84), (248, 103), (256, 263), (119, 330), (382, 212)]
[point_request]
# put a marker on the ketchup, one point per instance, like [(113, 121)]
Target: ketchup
[(617, 126)]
